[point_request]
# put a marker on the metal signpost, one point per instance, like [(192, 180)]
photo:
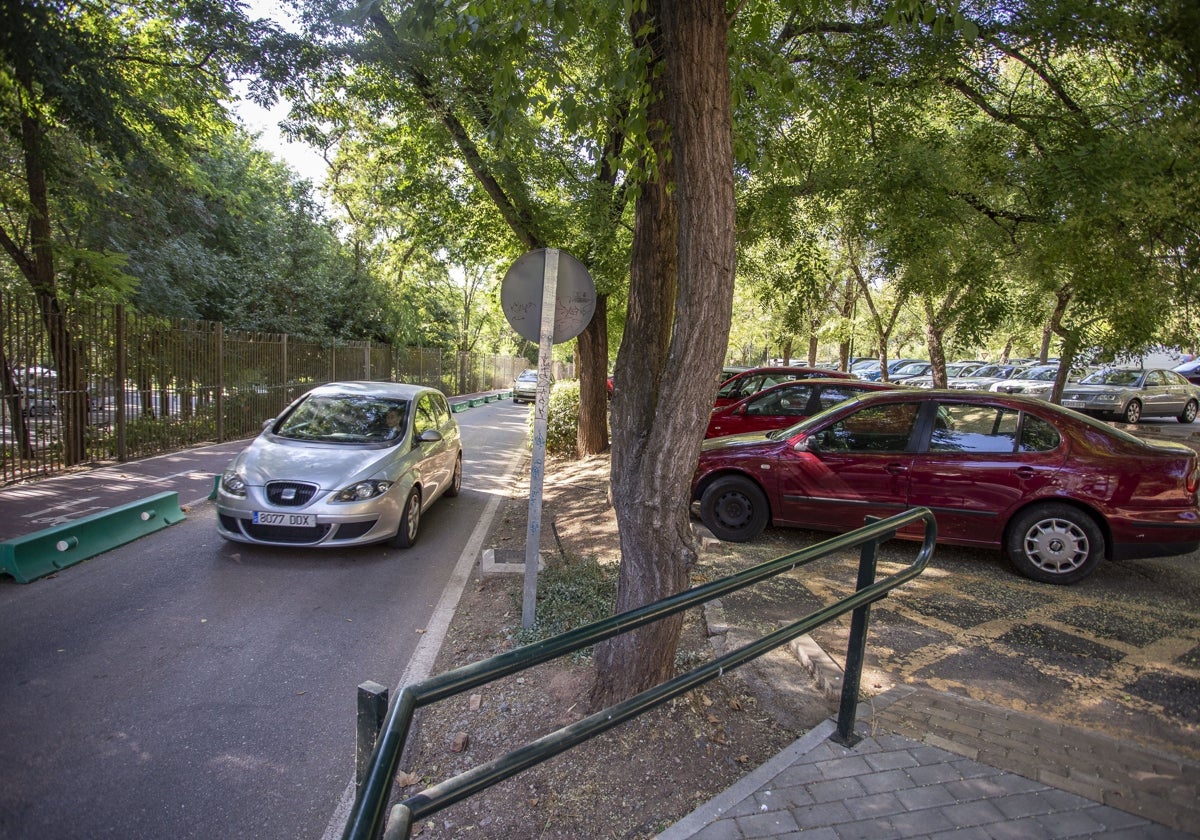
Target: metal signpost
[(548, 297)]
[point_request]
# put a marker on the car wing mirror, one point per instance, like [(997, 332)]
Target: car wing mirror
[(267, 423), (807, 444), (430, 436)]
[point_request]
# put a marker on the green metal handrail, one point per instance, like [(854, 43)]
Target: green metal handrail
[(366, 817)]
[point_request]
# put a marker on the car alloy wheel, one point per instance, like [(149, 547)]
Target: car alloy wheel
[(410, 521), (1054, 543), (456, 480), (1133, 412), (1188, 414)]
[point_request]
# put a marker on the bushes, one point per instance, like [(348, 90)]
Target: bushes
[(562, 420)]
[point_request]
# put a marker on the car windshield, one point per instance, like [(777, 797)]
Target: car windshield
[(992, 370), (1113, 377), (346, 418), (528, 376), (1041, 374)]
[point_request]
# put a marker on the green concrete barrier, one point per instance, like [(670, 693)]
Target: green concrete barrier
[(35, 555), (459, 407), (476, 401)]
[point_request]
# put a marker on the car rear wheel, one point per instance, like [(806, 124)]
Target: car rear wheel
[(734, 509), (1189, 412), (1054, 543), (1133, 412), (410, 521)]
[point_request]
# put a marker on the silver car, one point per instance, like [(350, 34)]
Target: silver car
[(348, 463), (526, 385), (1133, 393)]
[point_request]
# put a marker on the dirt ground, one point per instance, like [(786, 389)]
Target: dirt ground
[(630, 782)]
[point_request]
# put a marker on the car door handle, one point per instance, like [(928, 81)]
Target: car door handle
[(1024, 472), (897, 469)]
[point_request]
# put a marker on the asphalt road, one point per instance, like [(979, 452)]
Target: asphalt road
[(186, 687)]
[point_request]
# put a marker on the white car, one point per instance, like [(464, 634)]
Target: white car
[(1035, 382), (348, 463)]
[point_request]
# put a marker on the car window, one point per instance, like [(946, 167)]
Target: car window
[(1113, 377), (1173, 378), (426, 416), (1154, 378), (962, 427), (345, 418), (441, 409), (876, 428), (1038, 435), (833, 394), (781, 401)]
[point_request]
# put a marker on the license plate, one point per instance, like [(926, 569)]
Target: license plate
[(1074, 403), (287, 520)]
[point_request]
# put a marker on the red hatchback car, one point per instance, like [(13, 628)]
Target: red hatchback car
[(748, 382), (786, 404), (1054, 489)]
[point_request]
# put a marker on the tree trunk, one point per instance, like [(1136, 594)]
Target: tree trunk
[(677, 330), (592, 366), (39, 271)]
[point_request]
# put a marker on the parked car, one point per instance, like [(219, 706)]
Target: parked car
[(1130, 394), (1054, 489), (906, 372), (875, 372), (1037, 381), (785, 404), (347, 463), (954, 370), (751, 381), (1189, 370), (982, 379), (526, 384)]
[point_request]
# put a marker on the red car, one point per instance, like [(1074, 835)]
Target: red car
[(786, 404), (748, 382), (1054, 489)]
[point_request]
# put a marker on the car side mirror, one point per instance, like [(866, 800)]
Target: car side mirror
[(807, 444), (267, 423), (430, 436)]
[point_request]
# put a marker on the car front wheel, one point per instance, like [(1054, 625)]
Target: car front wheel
[(410, 521), (1133, 412), (1188, 414), (734, 509), (1054, 543)]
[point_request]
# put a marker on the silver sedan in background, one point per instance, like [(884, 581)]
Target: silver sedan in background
[(348, 463), (1130, 394)]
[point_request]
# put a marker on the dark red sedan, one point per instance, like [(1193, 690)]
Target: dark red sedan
[(1054, 489), (786, 404), (748, 382)]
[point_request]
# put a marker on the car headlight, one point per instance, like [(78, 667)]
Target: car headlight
[(233, 484), (362, 490), (1106, 398)]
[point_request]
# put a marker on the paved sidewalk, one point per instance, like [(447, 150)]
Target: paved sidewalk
[(27, 508), (936, 765)]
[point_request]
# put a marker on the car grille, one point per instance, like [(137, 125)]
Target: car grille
[(290, 493), (281, 534)]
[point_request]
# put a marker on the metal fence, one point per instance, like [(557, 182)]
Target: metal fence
[(137, 385)]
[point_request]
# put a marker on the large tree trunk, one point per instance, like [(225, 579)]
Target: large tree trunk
[(38, 268), (677, 330), (592, 365)]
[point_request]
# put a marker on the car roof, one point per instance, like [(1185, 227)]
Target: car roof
[(394, 390)]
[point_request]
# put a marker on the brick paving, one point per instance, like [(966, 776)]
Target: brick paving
[(936, 765)]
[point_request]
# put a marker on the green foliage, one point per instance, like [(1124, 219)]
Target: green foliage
[(562, 419), (571, 593)]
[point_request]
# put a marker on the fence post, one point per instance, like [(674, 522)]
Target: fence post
[(856, 649), (120, 374), (220, 400), (372, 709)]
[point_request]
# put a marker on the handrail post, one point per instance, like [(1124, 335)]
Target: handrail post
[(856, 648)]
